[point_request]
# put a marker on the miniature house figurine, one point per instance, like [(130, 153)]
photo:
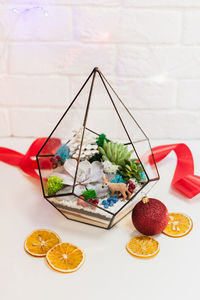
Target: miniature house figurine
[(98, 156)]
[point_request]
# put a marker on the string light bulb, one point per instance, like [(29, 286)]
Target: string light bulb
[(27, 10)]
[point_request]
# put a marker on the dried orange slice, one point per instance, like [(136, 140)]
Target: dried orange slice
[(143, 246), (40, 241), (65, 258), (179, 225)]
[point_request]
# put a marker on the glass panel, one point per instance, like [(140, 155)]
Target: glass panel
[(71, 121), (96, 160), (128, 208)]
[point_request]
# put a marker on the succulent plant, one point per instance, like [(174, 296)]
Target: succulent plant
[(54, 184), (115, 152), (131, 168), (86, 173)]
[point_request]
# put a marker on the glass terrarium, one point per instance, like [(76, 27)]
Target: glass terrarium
[(95, 164)]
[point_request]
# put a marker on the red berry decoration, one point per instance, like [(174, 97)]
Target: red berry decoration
[(56, 161), (93, 201), (150, 216), (131, 186), (58, 157), (54, 165), (52, 159)]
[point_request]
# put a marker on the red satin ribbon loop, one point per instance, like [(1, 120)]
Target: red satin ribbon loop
[(184, 179), (26, 162)]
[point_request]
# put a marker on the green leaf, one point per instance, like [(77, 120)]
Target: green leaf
[(105, 145), (101, 150), (104, 157), (109, 152)]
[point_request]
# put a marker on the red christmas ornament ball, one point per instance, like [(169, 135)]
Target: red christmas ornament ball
[(150, 216)]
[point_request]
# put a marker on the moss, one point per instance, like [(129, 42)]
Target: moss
[(89, 194), (117, 179), (102, 137), (54, 184)]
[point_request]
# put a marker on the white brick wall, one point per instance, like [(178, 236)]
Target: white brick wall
[(34, 26), (4, 123), (34, 91), (148, 49), (162, 3), (127, 25), (40, 121)]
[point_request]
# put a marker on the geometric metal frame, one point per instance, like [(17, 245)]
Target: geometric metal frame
[(38, 156)]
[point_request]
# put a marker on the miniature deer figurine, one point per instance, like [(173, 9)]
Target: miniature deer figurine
[(117, 187)]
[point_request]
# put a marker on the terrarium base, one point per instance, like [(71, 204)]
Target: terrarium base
[(81, 218)]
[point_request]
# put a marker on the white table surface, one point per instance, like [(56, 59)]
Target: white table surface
[(109, 271)]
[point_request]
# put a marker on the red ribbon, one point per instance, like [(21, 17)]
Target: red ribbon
[(26, 162), (184, 179)]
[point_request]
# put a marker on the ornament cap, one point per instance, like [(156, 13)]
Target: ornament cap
[(145, 199)]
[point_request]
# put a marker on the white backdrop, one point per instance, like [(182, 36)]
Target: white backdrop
[(148, 49)]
